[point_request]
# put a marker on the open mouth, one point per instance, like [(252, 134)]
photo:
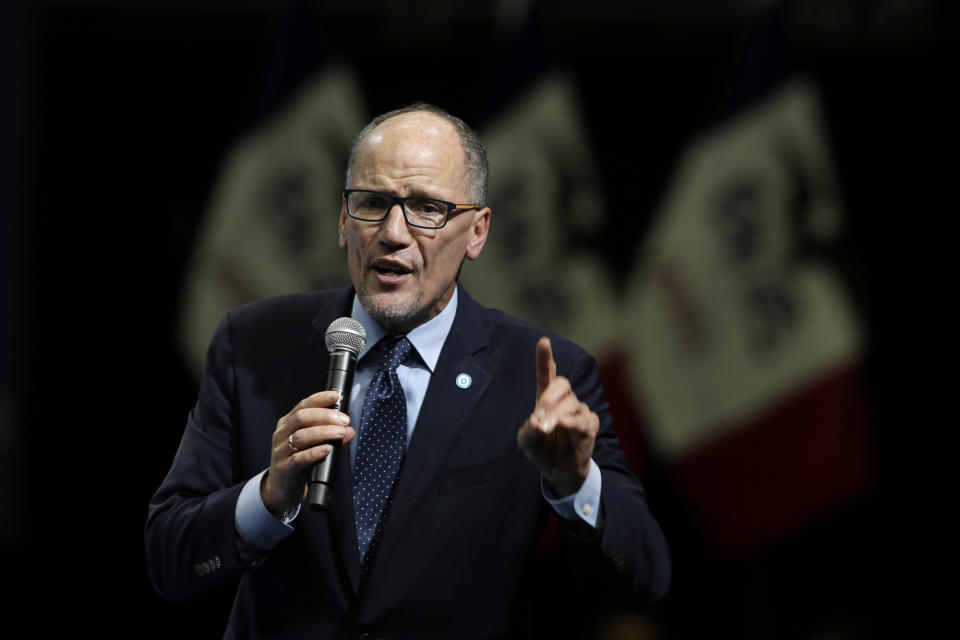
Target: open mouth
[(390, 268), (391, 271)]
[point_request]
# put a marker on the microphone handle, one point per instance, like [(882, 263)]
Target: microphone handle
[(339, 377)]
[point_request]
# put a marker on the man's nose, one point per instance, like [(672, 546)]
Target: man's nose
[(393, 228)]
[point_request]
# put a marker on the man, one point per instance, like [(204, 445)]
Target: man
[(438, 504)]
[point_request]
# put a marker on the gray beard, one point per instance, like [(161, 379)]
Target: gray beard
[(395, 319)]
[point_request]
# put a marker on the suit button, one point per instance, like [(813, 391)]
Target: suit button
[(618, 560)]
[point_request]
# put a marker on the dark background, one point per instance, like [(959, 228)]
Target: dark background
[(116, 117)]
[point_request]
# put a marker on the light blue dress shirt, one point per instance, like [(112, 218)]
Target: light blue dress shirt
[(258, 528)]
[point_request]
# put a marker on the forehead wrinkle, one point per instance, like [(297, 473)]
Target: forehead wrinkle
[(412, 182)]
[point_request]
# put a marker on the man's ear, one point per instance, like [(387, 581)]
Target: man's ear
[(479, 231), (342, 231)]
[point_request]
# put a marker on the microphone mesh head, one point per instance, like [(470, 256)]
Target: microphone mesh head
[(345, 334)]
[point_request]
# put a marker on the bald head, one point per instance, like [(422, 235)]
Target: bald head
[(431, 121)]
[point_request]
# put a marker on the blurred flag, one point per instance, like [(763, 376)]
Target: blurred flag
[(746, 350), (271, 227), (544, 187)]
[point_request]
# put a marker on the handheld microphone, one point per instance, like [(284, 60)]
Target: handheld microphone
[(345, 339)]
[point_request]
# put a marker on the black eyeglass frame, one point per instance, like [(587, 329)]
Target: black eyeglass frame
[(452, 207)]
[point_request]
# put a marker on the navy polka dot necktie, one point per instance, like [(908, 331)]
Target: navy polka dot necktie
[(381, 445)]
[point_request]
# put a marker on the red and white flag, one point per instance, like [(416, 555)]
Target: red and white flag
[(745, 347), (271, 226)]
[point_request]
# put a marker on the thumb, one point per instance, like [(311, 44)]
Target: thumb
[(546, 367)]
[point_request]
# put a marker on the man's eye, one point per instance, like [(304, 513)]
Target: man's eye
[(425, 207), (373, 202)]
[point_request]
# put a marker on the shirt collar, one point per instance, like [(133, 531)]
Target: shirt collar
[(427, 339)]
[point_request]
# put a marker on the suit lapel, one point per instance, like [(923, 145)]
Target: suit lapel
[(443, 414), (310, 368)]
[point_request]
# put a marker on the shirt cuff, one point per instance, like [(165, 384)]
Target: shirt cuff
[(256, 526), (584, 504)]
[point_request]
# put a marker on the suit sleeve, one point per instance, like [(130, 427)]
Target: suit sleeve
[(628, 544), (191, 538)]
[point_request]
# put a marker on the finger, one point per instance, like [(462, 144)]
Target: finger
[(308, 418), (312, 436), (318, 399), (306, 457), (317, 417), (582, 420), (555, 392), (565, 409), (321, 399), (529, 436), (546, 367)]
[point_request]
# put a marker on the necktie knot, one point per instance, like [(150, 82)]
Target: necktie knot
[(396, 350)]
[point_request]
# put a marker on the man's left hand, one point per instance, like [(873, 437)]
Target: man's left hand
[(558, 436)]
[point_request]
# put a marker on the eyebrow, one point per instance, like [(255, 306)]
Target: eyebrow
[(413, 194)]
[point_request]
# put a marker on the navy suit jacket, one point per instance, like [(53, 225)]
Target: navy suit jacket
[(467, 510)]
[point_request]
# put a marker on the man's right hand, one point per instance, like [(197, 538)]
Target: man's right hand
[(309, 426)]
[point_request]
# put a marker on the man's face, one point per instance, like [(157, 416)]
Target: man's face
[(404, 275)]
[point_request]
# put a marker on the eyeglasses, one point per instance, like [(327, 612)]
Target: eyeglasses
[(425, 213)]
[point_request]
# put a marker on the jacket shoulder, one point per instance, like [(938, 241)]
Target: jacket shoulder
[(287, 318), (508, 331)]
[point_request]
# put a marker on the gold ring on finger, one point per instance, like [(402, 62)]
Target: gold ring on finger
[(293, 447)]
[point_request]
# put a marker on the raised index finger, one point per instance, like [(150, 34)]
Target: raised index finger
[(546, 367)]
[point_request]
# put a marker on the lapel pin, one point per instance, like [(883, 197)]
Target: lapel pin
[(464, 380)]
